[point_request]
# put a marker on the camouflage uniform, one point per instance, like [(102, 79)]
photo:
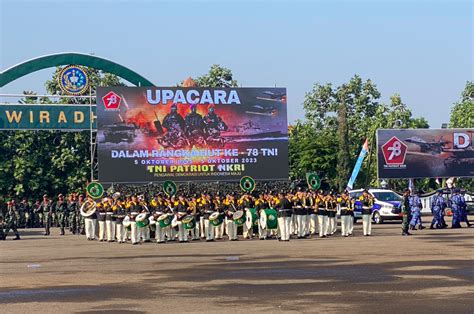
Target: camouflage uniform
[(46, 208), (406, 212), (11, 222), (72, 208), (81, 223), (62, 213)]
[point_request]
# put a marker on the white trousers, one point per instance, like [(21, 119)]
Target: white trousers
[(231, 228), (323, 225), (120, 232), (101, 230), (141, 233), (182, 233), (300, 225), (284, 225), (293, 225), (110, 229), (195, 232), (201, 227), (170, 233), (147, 233), (160, 234), (219, 231), (134, 232), (247, 233), (313, 222), (366, 224), (307, 229), (209, 230), (90, 227), (345, 224), (351, 225), (332, 225)]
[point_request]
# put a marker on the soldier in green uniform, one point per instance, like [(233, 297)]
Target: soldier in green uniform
[(62, 212), (46, 208), (406, 212), (11, 221), (72, 208), (81, 223)]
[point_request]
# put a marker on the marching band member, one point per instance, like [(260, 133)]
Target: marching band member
[(313, 214), (273, 201), (133, 211), (300, 212), (284, 216), (159, 207), (200, 208), (195, 233), (207, 211), (102, 209), (367, 203), (331, 208), (245, 202), (345, 205), (110, 221), (322, 215), (145, 231), (230, 209), (219, 207), (120, 214), (261, 204), (181, 209)]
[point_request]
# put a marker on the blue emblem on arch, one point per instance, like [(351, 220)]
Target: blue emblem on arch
[(73, 80)]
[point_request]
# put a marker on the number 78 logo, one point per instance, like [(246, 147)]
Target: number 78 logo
[(394, 151)]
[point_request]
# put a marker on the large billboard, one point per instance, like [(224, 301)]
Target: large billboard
[(148, 134), (425, 153)]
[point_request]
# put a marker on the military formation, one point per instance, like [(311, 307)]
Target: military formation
[(284, 215)]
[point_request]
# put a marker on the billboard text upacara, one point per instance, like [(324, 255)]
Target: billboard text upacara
[(425, 153), (187, 134)]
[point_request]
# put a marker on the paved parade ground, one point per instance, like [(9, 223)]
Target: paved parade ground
[(430, 272)]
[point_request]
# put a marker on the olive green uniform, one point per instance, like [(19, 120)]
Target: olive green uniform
[(406, 212), (11, 222)]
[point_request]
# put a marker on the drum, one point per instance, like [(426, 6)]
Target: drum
[(152, 223), (189, 222), (142, 220), (239, 217), (269, 219), (164, 221), (216, 219), (127, 223), (251, 218)]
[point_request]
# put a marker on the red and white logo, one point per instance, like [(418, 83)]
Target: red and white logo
[(112, 100), (394, 151)]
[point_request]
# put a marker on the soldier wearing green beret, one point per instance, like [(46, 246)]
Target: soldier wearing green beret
[(11, 221)]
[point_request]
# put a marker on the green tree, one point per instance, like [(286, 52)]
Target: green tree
[(217, 76), (462, 113), (343, 117), (462, 116)]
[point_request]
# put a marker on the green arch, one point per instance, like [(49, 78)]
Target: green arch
[(57, 59)]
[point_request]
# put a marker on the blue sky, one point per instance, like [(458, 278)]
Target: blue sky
[(420, 49)]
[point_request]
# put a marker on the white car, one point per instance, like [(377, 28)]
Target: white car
[(386, 206)]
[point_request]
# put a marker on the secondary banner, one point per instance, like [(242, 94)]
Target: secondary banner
[(425, 153)]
